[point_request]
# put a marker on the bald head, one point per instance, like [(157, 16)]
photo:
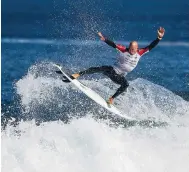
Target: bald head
[(133, 47), (133, 44)]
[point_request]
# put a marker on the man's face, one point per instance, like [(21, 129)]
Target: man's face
[(133, 47)]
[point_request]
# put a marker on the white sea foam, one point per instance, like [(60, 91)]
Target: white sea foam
[(86, 144)]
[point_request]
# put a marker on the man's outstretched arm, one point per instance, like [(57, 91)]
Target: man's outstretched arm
[(160, 32), (111, 43)]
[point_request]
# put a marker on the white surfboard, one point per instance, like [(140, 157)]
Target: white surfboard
[(93, 95)]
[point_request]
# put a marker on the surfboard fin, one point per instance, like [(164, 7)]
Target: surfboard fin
[(66, 80), (58, 72)]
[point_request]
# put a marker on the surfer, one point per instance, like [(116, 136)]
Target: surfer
[(126, 62)]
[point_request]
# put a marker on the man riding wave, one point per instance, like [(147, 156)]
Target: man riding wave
[(126, 62)]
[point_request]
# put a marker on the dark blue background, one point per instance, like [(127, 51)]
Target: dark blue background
[(80, 20)]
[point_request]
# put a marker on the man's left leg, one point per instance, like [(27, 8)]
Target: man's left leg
[(118, 79), (121, 89)]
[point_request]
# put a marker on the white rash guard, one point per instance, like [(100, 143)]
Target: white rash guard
[(126, 62)]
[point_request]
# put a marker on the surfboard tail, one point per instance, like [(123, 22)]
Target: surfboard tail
[(65, 79)]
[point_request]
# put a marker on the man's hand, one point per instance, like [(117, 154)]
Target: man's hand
[(160, 32), (101, 36)]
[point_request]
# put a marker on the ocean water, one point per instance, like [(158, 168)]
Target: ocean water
[(50, 125)]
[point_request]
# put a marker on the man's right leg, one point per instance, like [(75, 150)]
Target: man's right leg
[(91, 70)]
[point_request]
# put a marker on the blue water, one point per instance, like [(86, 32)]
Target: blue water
[(66, 32), (166, 65), (36, 34)]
